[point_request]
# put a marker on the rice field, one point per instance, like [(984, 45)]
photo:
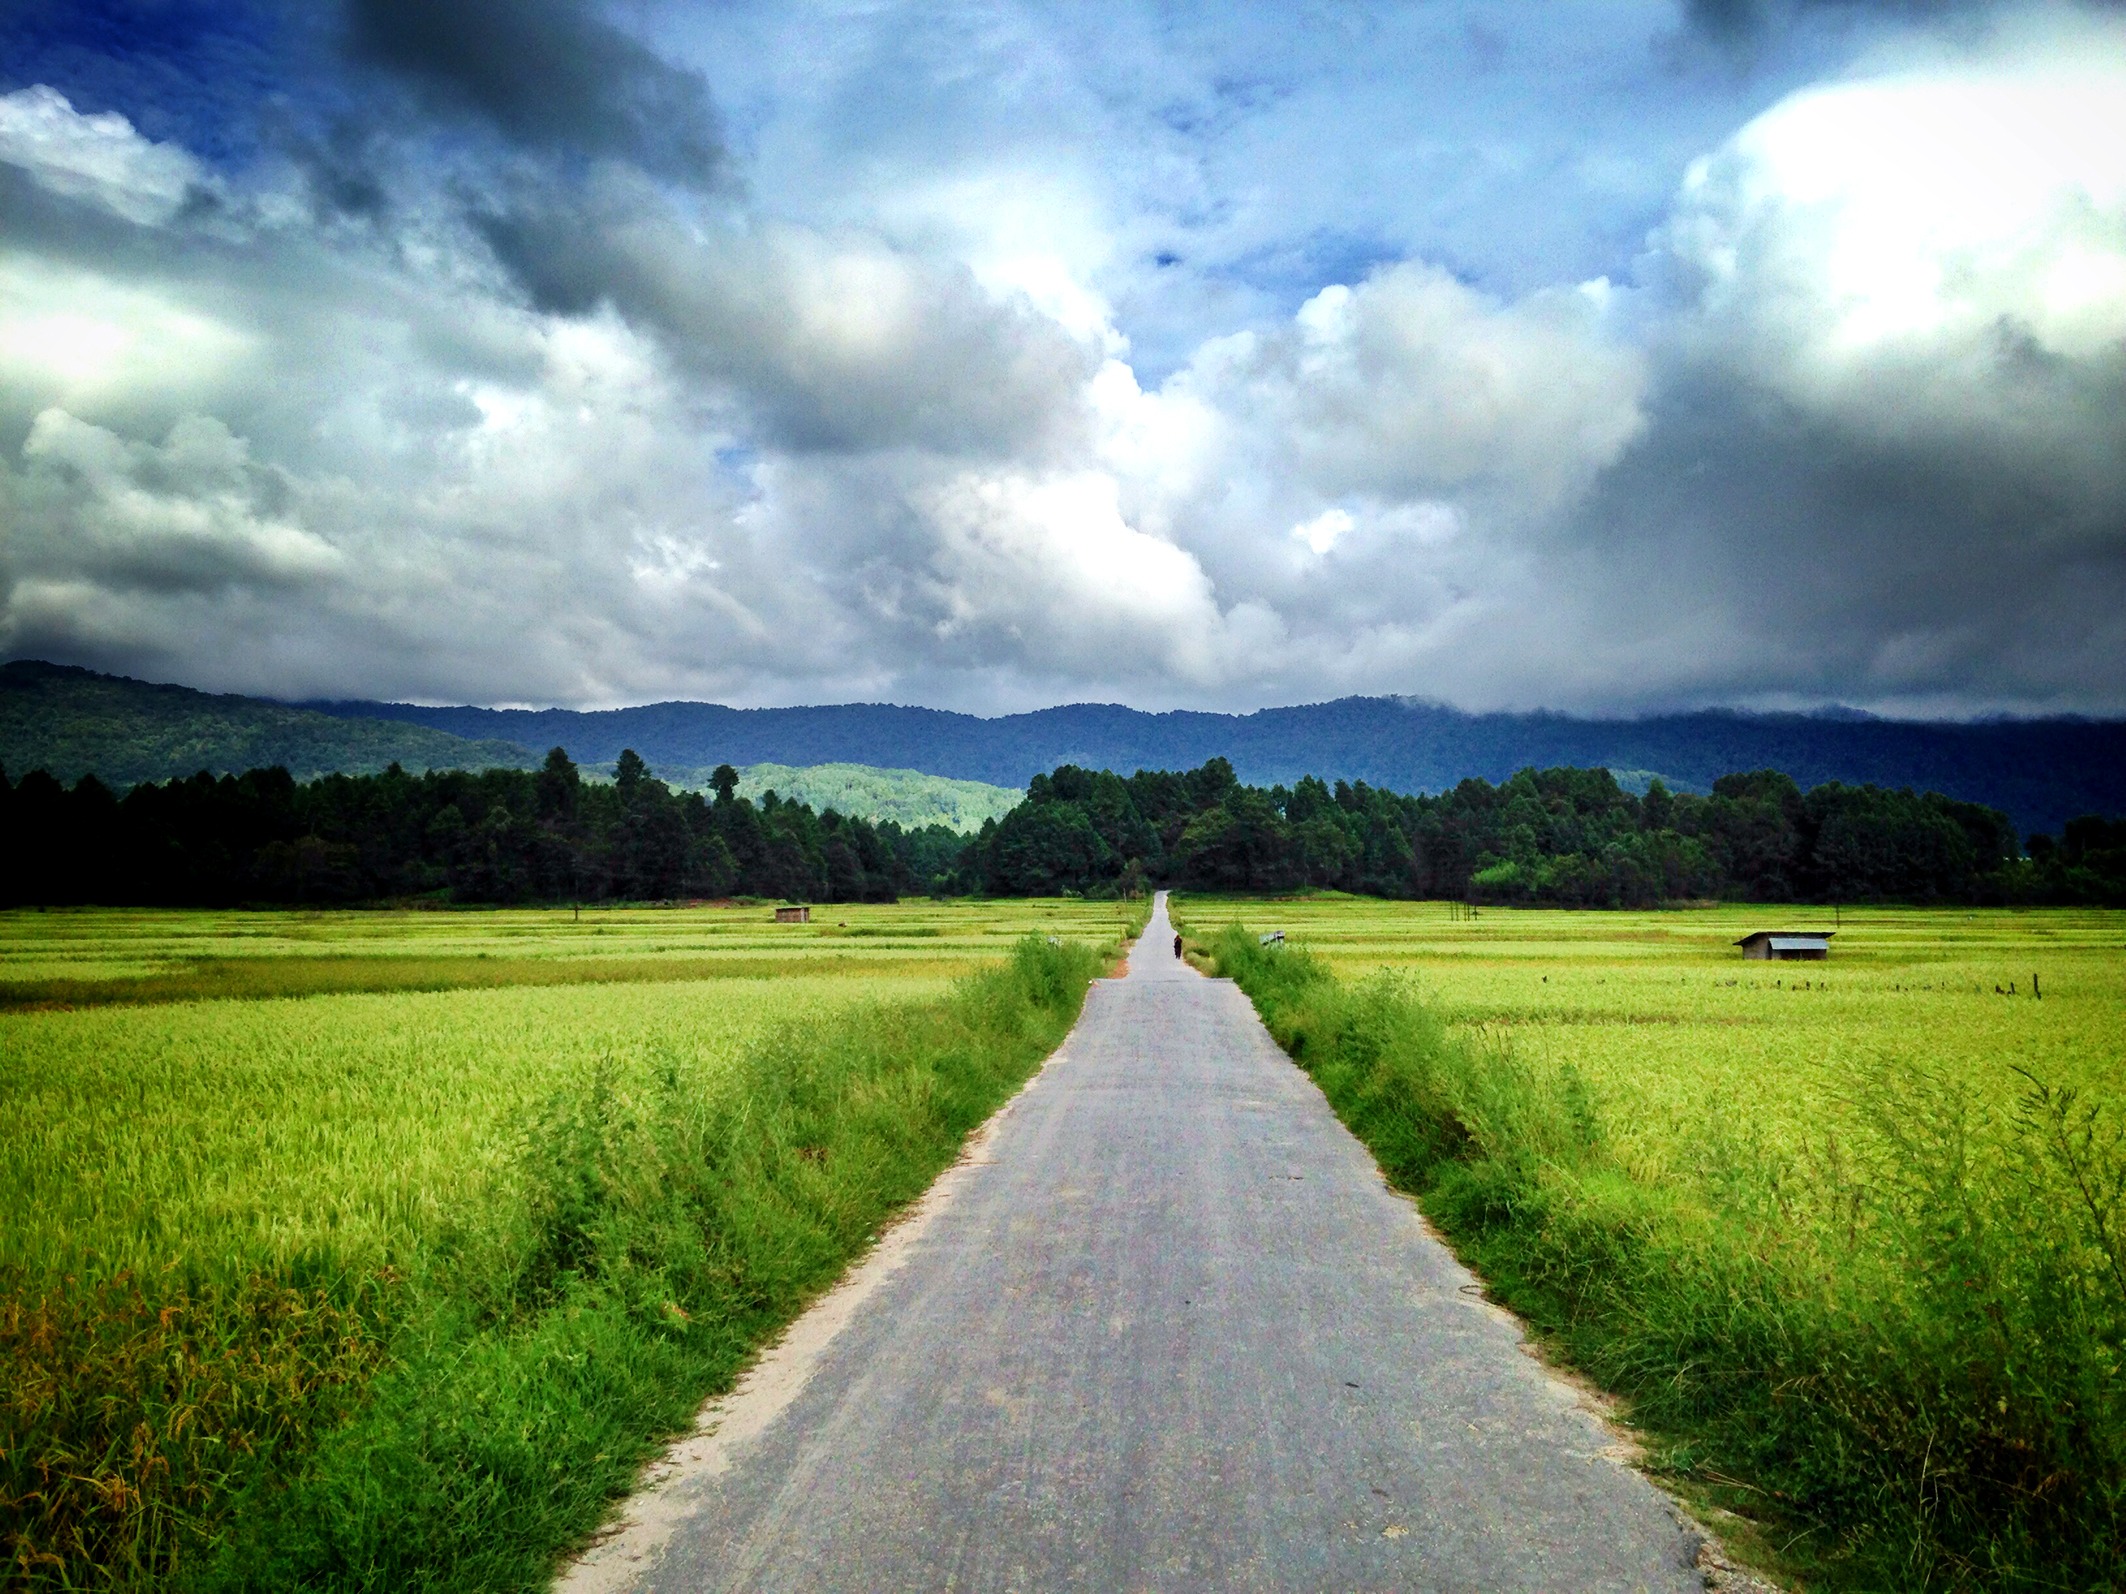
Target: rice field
[(1848, 1238), (225, 1137), (1672, 1030), (219, 1134), (85, 956), (264, 1176)]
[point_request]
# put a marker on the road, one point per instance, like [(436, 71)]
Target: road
[(1164, 1328)]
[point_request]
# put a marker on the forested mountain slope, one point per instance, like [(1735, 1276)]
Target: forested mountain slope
[(2040, 772), (71, 722), (904, 796)]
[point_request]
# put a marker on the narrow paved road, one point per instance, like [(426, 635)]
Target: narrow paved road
[(1165, 1329)]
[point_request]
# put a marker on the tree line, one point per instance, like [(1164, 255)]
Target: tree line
[(1567, 837), (492, 836)]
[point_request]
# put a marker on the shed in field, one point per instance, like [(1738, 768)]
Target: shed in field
[(793, 915), (1809, 946)]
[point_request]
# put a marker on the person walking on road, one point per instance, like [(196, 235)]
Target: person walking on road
[(1177, 946)]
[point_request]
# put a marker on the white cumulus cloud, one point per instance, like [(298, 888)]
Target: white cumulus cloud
[(1322, 532), (1411, 384), (193, 513), (1925, 249), (1050, 565), (98, 158)]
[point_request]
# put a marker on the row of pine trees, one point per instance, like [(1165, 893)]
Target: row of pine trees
[(1570, 837)]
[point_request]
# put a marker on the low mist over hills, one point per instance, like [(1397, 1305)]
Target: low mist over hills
[(71, 721)]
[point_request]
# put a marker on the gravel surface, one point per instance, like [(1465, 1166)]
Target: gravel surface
[(1164, 1328)]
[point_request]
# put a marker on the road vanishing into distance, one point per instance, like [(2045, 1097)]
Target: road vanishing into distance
[(1165, 1327)]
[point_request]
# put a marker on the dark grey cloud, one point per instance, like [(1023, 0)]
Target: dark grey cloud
[(552, 75), (1754, 549), (833, 343), (344, 178), (1744, 22), (1736, 21)]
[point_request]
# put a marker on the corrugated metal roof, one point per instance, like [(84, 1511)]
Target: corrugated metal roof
[(1801, 943)]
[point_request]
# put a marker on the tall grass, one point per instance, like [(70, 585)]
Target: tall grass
[(457, 1421), (132, 1404), (1901, 1348)]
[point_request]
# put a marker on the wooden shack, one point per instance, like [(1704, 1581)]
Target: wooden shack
[(793, 915), (1806, 946)]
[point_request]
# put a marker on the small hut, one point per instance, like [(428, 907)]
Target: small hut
[(793, 915), (1806, 946)]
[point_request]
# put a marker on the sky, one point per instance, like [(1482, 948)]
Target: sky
[(1605, 356)]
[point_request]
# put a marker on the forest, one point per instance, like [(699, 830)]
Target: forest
[(1565, 837), (491, 836), (71, 721)]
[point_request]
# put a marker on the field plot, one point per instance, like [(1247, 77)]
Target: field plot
[(76, 957), (1849, 1236), (1676, 1035), (419, 1226)]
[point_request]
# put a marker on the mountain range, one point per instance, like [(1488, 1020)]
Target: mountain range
[(2040, 771), (72, 722)]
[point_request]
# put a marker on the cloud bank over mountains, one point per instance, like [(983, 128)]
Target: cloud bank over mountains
[(1630, 358)]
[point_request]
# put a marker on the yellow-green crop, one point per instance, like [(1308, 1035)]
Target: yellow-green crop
[(84, 956), (1849, 1237), (431, 1221), (230, 1137), (1669, 1026)]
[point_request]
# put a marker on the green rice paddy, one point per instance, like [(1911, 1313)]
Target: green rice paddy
[(167, 1124), (1672, 1029), (1847, 1237), (88, 956), (315, 1227)]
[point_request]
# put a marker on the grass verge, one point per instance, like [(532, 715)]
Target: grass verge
[(1913, 1379), (335, 1428)]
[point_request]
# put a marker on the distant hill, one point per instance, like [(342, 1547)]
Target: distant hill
[(2042, 772), (71, 722), (908, 797)]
